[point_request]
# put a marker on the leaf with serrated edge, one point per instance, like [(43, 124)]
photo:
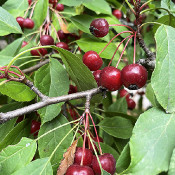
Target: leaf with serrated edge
[(52, 80), (37, 167), (152, 143), (68, 159), (17, 156), (8, 24), (163, 79)]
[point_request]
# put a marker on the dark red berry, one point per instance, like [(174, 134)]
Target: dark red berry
[(24, 43), (46, 40), (28, 23), (35, 126), (117, 13), (60, 7), (29, 1), (96, 75), (39, 52), (87, 159), (131, 104), (134, 76), (20, 118), (79, 170), (99, 27), (107, 161), (52, 1), (72, 89), (62, 45), (110, 78), (92, 60), (61, 35), (20, 21), (124, 93)]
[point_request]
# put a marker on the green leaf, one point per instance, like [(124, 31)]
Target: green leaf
[(108, 149), (73, 2), (124, 160), (82, 22), (14, 157), (119, 106), (98, 6), (40, 12), (171, 170), (17, 91), (38, 167), (78, 72), (105, 172), (48, 143), (152, 143), (167, 20), (5, 128), (163, 79), (7, 54), (87, 44), (151, 96), (16, 8), (52, 80), (22, 129), (167, 4), (8, 23), (117, 126)]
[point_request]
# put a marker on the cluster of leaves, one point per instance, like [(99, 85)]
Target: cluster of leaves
[(142, 142)]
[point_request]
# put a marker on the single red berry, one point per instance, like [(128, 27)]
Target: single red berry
[(46, 40), (99, 27), (52, 1), (79, 170), (124, 93), (134, 76), (20, 118), (39, 52), (92, 60), (24, 43), (35, 126), (61, 35), (60, 7), (87, 159), (107, 161), (72, 89), (62, 45), (29, 1), (96, 75), (131, 104), (28, 23), (110, 78), (20, 21), (117, 13)]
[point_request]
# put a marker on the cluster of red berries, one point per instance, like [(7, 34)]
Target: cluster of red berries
[(133, 76), (90, 165), (130, 102), (25, 23), (56, 5)]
